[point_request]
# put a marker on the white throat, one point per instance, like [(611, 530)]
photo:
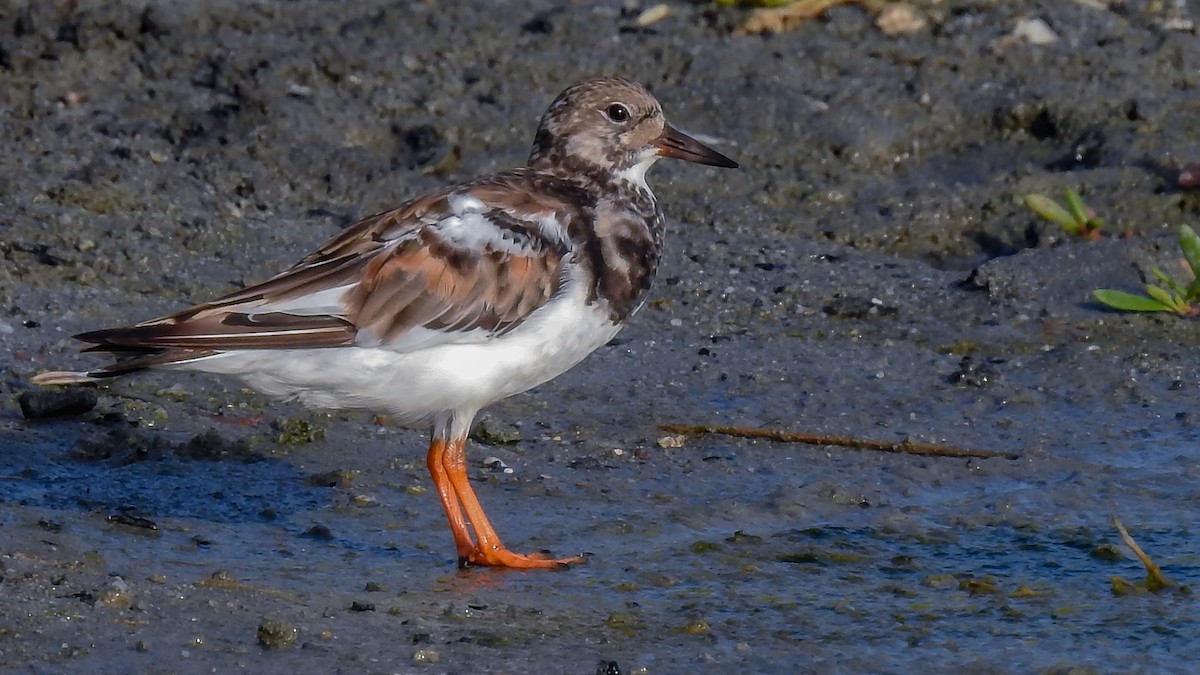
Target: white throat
[(636, 174)]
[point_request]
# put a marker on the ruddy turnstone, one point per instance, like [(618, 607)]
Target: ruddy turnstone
[(453, 300)]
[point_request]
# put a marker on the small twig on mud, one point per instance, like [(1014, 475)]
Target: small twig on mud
[(1155, 579), (785, 436)]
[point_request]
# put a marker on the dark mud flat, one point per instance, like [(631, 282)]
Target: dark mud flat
[(869, 272)]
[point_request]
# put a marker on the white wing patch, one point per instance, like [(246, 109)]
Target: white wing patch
[(464, 202), (471, 228)]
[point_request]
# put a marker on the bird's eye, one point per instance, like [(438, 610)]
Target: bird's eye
[(617, 112)]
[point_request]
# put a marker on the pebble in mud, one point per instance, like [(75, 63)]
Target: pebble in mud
[(425, 656), (296, 431), (319, 532), (44, 403), (1189, 177), (495, 465), (212, 446), (608, 668), (274, 633), (117, 595), (338, 478), (972, 372)]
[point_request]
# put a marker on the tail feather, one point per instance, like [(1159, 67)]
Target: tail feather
[(122, 367), (193, 335), (270, 330), (64, 377)]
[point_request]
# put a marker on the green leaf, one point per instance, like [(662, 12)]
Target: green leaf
[(1189, 243), (1079, 212), (1168, 281), (1128, 301), (1173, 302), (1050, 210), (1192, 293)]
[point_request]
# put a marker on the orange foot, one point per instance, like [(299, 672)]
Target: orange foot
[(448, 467), (502, 557)]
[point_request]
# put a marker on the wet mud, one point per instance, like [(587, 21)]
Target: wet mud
[(871, 271)]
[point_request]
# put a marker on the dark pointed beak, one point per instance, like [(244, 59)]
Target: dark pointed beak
[(675, 143)]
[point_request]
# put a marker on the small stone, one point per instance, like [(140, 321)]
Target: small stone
[(608, 668), (1035, 31), (653, 15), (490, 432), (899, 18), (496, 464), (276, 634), (50, 525), (211, 446), (44, 403), (984, 586), (972, 373), (117, 597), (339, 478), (939, 581), (294, 431), (364, 500), (1189, 177), (425, 656), (359, 606), (1107, 553), (674, 441), (318, 531), (135, 521)]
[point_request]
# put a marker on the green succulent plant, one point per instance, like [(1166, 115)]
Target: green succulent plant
[(1075, 218), (1168, 295)]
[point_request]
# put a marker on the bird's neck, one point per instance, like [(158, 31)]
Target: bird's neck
[(621, 244), (596, 178)]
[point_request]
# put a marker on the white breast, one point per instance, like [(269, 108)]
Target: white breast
[(415, 385)]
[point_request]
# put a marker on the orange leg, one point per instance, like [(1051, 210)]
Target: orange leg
[(458, 525), (448, 466)]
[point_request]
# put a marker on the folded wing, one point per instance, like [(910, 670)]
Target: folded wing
[(467, 263)]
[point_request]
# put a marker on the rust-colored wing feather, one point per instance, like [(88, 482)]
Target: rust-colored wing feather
[(471, 260)]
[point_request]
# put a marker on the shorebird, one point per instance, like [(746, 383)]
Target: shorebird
[(453, 300)]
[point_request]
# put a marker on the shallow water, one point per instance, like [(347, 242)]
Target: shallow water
[(716, 553)]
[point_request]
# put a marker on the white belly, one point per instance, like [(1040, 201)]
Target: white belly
[(459, 376)]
